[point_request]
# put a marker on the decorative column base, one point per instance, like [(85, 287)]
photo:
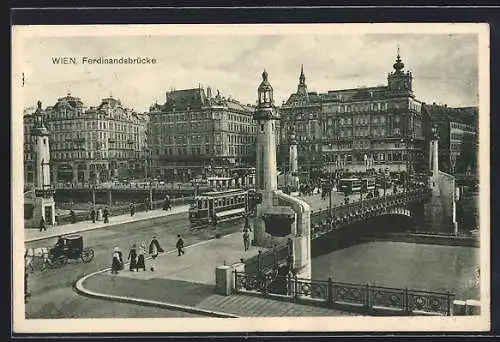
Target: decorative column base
[(46, 208)]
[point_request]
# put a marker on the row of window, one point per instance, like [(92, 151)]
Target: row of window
[(56, 126), (242, 139), (87, 155), (170, 117), (241, 128), (462, 126), (240, 118), (360, 157)]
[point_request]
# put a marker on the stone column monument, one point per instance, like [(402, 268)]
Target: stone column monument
[(279, 217), (440, 210), (44, 205)]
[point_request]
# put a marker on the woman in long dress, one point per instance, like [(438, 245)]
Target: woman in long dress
[(116, 263), (154, 247), (132, 256), (140, 258)]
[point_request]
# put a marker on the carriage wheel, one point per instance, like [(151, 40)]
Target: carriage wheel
[(87, 255)]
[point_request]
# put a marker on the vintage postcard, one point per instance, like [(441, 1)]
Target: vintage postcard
[(251, 178)]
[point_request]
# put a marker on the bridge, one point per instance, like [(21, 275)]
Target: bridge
[(326, 221), (271, 272)]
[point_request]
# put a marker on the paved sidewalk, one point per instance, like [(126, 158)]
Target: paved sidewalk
[(33, 234), (198, 263), (188, 281), (197, 296)]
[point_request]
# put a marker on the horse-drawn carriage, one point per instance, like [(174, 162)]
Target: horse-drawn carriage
[(66, 248)]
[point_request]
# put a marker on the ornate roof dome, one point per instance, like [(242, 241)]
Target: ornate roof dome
[(265, 85), (399, 65)]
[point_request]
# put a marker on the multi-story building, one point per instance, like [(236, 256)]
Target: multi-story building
[(361, 129), (458, 145), (194, 133), (91, 144), (302, 111)]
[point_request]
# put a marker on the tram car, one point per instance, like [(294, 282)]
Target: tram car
[(224, 205), (367, 184), (349, 185)]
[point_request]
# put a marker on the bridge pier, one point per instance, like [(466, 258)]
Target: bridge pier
[(275, 220), (440, 210)]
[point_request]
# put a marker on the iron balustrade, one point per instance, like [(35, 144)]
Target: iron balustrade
[(265, 261), (330, 293)]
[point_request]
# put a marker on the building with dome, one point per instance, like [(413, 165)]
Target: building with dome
[(90, 143), (379, 128)]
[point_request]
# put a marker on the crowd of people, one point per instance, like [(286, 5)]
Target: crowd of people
[(138, 254)]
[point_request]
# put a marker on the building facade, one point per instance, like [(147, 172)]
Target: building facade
[(195, 133), (358, 130), (301, 113), (93, 144), (458, 137)]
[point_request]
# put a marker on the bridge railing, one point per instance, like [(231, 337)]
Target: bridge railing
[(364, 296), (358, 206), (267, 260), (320, 224)]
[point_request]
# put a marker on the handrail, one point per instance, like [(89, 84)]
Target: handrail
[(331, 293)]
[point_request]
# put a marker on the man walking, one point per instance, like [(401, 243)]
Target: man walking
[(246, 239), (42, 225), (132, 208), (179, 245), (247, 224), (105, 214), (92, 215)]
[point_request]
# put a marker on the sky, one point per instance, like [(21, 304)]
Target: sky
[(444, 66)]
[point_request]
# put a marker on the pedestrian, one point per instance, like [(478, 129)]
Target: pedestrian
[(141, 262), (154, 247), (73, 216), (105, 214), (179, 245), (214, 222), (117, 261), (132, 256), (146, 204), (167, 202), (247, 224), (42, 225), (246, 239), (132, 208), (92, 215)]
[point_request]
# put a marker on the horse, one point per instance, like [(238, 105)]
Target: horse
[(39, 254)]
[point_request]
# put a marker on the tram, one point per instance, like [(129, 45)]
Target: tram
[(367, 184), (222, 205), (349, 185)]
